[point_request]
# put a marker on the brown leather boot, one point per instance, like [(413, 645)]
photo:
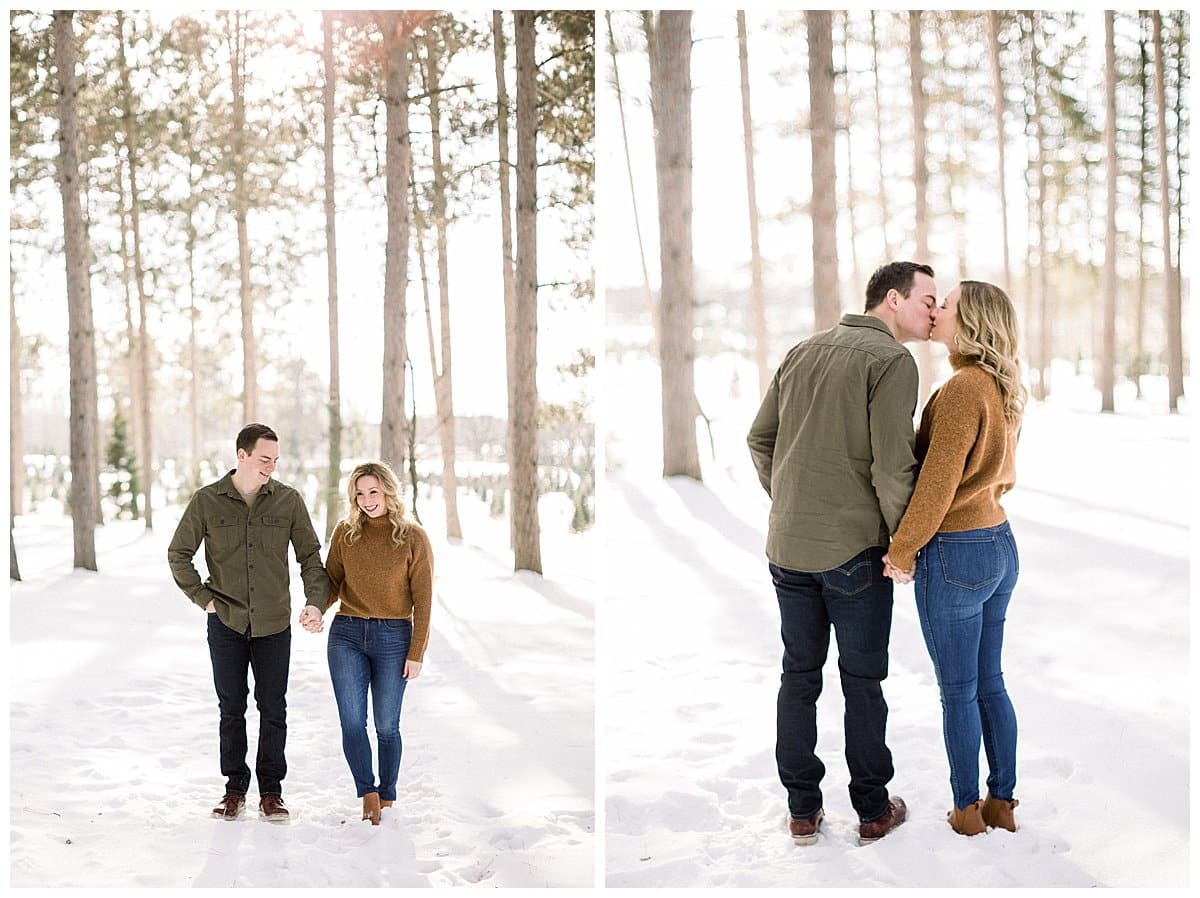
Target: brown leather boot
[(230, 806), (967, 821), (385, 803), (999, 813), (803, 830), (371, 808)]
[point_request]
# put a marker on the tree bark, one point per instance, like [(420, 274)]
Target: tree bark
[(133, 365), (671, 101), (14, 570), (193, 320), (443, 380), (879, 148), (998, 113), (1174, 305), (84, 427), (1109, 289), (237, 61), (1042, 358), (920, 104), (822, 102), (16, 428), (333, 476), (145, 431), (523, 474), (757, 299), (849, 121), (1139, 346), (393, 424), (506, 244)]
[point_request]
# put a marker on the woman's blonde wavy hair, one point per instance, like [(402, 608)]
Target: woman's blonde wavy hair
[(397, 511), (987, 334)]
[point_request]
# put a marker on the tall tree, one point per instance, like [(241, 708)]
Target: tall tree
[(1040, 274), (396, 28), (1109, 283), (879, 149), (1180, 38), (920, 107), (848, 118), (236, 36), (443, 379), (333, 475), (1139, 346), (508, 274), (1173, 306), (527, 552), (145, 436), (998, 105), (85, 429), (757, 300), (671, 108), (16, 439), (822, 115)]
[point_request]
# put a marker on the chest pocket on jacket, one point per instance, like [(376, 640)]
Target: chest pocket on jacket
[(275, 532), (222, 531)]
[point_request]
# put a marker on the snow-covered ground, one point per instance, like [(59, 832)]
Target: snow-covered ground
[(1096, 660), (113, 720)]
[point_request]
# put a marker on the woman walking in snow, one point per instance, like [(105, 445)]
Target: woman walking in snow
[(968, 565), (380, 566)]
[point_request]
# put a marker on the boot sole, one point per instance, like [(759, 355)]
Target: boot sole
[(274, 818)]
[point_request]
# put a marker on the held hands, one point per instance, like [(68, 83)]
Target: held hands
[(412, 670), (210, 607), (311, 619), (890, 570)]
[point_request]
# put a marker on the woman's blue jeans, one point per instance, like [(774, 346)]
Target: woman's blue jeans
[(963, 585), (370, 653)]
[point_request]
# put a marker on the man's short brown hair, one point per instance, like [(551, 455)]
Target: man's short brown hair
[(893, 276), (249, 436)]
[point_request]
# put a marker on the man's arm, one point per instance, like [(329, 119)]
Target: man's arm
[(184, 544), (308, 553), (763, 432), (890, 408)]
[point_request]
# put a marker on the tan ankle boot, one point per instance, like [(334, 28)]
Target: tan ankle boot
[(384, 803), (999, 813), (967, 821), (371, 808)]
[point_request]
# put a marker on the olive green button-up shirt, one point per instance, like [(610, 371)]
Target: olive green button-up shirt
[(833, 444), (245, 550)]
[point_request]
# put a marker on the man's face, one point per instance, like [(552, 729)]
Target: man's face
[(915, 313), (261, 459)]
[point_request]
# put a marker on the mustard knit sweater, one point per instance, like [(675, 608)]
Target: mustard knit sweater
[(374, 578), (967, 453)]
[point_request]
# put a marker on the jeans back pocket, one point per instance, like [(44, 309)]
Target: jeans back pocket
[(969, 562)]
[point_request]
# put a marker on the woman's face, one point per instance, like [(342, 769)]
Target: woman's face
[(945, 321), (369, 496)]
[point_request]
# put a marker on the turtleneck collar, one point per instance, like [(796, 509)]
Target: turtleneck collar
[(958, 360), (382, 521)]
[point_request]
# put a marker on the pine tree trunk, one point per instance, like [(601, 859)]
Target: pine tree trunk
[(1139, 346), (1042, 385), (443, 378), (920, 105), (757, 299), (506, 244), (393, 425), (822, 104), (672, 103), (848, 118), (131, 354), (14, 570), (333, 475), (879, 147), (998, 112), (1108, 352), (523, 473), (145, 434), (1180, 37), (237, 58), (193, 321), (1173, 304), (16, 426), (84, 426)]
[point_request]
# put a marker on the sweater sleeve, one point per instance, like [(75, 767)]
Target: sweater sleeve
[(953, 429), (763, 433), (420, 586), (334, 567)]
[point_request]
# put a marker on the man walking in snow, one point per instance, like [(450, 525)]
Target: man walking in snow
[(833, 445), (246, 520)]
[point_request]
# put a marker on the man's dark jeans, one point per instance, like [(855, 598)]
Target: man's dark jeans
[(233, 655), (857, 600)]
